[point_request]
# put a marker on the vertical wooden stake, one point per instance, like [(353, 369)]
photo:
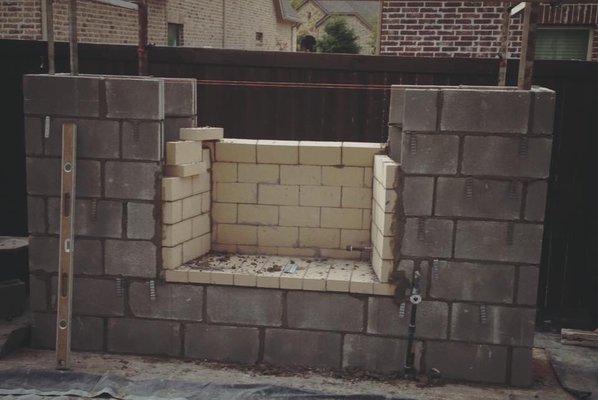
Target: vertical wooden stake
[(50, 35), (528, 46), (67, 246), (504, 45), (73, 37), (142, 45)]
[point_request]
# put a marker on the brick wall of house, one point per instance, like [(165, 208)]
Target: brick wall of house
[(464, 29), (202, 23)]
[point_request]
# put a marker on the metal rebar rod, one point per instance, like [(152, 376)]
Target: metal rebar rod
[(50, 35), (142, 45), (504, 45), (528, 46), (74, 53)]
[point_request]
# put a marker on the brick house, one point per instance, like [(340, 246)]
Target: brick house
[(361, 15), (231, 24), (471, 29)]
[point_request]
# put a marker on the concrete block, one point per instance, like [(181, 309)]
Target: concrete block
[(236, 234), (375, 354), (464, 361), (395, 137), (535, 201), (335, 312), (87, 333), (482, 198), (284, 236), (93, 296), (427, 238), (183, 152), (135, 98), (485, 111), (300, 175), (397, 105), (81, 97), (522, 374), (472, 282), (485, 240), (43, 176), (504, 156), (299, 216), (430, 154), (360, 154), (343, 176), (172, 301), (87, 259), (38, 292), (302, 348), (418, 195), (278, 151), (173, 125), (323, 238), (322, 196), (244, 306), (543, 114), (348, 218), (104, 219), (258, 173), (131, 180), (420, 110), (43, 253), (180, 96), (384, 319), (141, 140), (224, 213), (236, 150), (203, 133), (356, 197), (177, 233), (175, 188), (33, 136), (96, 138), (224, 172), (140, 221), (320, 153), (130, 258), (502, 325), (253, 214), (236, 192), (278, 194), (231, 344), (527, 289), (36, 214), (159, 337)]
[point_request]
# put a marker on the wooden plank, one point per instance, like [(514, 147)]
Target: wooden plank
[(67, 246), (528, 46), (579, 338)]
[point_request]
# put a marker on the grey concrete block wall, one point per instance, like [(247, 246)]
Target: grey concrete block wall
[(474, 168)]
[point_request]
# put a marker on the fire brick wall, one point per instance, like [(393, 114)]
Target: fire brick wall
[(472, 192)]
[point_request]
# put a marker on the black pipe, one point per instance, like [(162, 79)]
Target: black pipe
[(409, 371)]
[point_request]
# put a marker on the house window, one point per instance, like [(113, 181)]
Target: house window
[(259, 37), (562, 43), (175, 34)]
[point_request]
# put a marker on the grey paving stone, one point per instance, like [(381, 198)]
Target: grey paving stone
[(430, 238), (527, 289), (302, 348), (140, 221), (486, 240), (159, 337), (134, 98), (131, 180), (141, 140), (420, 110), (505, 156), (172, 301), (535, 202), (492, 111), (472, 282), (464, 361), (370, 353), (232, 344), (327, 311), (502, 325), (244, 306), (130, 258), (40, 95), (430, 154), (418, 195)]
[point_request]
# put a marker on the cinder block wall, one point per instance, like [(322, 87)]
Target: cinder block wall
[(471, 199), (292, 198)]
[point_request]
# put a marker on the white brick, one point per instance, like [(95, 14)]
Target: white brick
[(315, 277), (207, 157), (176, 233), (185, 170), (258, 173), (319, 237), (366, 222), (206, 202), (236, 150), (384, 244), (235, 192), (277, 151), (340, 254), (172, 211), (179, 275), (253, 214), (191, 206), (385, 198), (384, 221), (382, 268), (201, 183), (299, 216), (321, 196), (176, 188), (357, 197), (199, 276), (201, 133), (355, 237), (224, 172), (237, 234), (298, 252), (224, 213), (319, 153), (368, 176), (183, 152), (200, 225), (339, 277), (360, 154), (348, 218), (386, 171), (278, 194), (172, 257), (278, 236), (342, 176), (300, 175)]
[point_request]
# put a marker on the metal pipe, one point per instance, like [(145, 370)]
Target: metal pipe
[(74, 56), (50, 35), (142, 45)]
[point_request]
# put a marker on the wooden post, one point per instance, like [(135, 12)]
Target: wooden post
[(142, 45), (50, 35), (528, 46), (67, 246), (73, 37), (504, 45)]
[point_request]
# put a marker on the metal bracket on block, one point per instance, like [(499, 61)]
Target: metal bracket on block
[(94, 210), (402, 308), (290, 268), (412, 144), (421, 229), (513, 195), (47, 123), (468, 189), (510, 233), (152, 290), (483, 314), (119, 287), (523, 146)]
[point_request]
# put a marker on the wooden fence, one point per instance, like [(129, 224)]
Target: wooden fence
[(569, 277)]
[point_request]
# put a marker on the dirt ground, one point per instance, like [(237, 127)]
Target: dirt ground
[(138, 368)]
